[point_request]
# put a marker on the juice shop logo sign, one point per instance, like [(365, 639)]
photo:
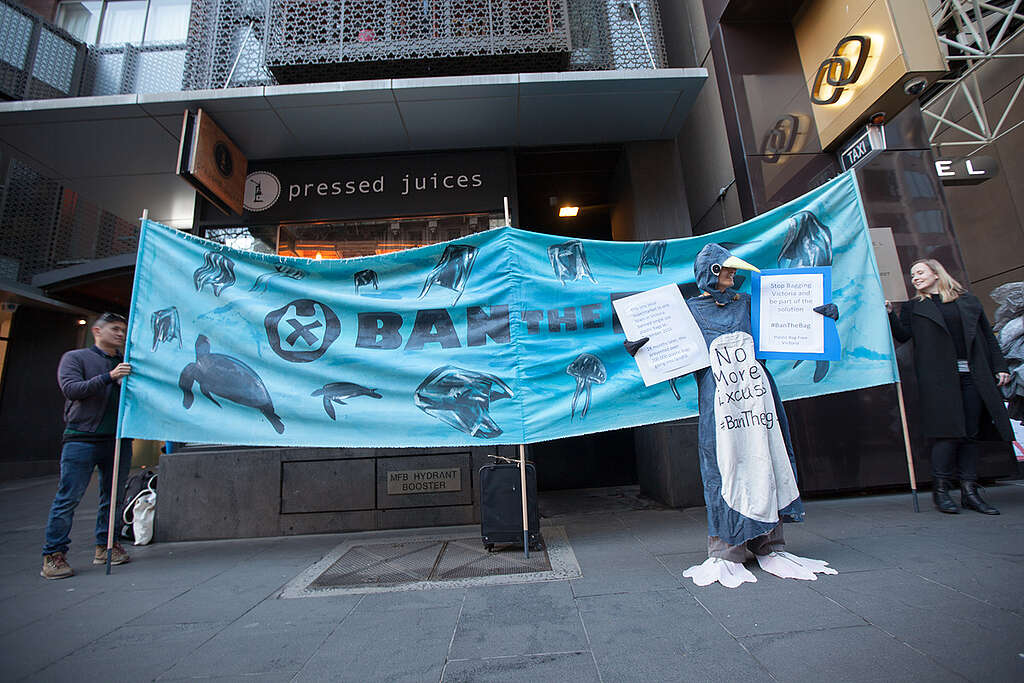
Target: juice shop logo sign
[(408, 184), (262, 189)]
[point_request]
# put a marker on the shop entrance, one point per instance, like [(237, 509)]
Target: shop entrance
[(593, 181)]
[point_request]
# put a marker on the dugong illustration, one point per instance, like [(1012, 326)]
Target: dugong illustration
[(335, 392)]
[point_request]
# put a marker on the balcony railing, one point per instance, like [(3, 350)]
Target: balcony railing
[(234, 43), (319, 40), (37, 60)]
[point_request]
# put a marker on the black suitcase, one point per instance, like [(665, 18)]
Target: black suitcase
[(501, 506)]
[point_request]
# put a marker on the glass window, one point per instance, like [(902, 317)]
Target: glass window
[(123, 22), (168, 20), (80, 19), (376, 236)]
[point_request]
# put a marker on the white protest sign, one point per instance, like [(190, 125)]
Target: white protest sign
[(889, 269), (676, 345), (786, 321)]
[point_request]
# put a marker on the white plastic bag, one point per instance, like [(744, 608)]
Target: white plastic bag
[(143, 515)]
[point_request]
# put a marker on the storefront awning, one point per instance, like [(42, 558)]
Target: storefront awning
[(120, 151)]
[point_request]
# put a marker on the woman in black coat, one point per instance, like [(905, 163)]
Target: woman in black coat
[(959, 367)]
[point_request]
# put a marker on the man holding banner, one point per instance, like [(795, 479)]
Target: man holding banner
[(90, 380)]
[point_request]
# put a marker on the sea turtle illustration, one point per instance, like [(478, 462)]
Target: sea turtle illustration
[(336, 392), (228, 378)]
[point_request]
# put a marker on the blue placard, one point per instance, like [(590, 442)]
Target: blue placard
[(831, 348)]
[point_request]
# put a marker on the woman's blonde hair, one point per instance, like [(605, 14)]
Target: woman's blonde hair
[(949, 289)]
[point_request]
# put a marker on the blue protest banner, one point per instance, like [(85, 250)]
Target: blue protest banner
[(505, 336)]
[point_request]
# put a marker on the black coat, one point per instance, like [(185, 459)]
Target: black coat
[(938, 381)]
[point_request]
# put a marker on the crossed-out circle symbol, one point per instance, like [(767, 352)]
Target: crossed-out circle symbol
[(312, 322)]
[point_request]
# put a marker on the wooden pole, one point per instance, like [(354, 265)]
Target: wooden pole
[(113, 494), (117, 447), (906, 445), (526, 510)]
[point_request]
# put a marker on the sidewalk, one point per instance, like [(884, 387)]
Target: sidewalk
[(918, 597)]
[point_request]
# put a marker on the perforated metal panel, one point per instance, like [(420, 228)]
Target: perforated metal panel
[(44, 226)]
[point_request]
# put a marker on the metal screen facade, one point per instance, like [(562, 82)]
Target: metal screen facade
[(239, 43)]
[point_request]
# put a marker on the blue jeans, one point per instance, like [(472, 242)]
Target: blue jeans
[(77, 461)]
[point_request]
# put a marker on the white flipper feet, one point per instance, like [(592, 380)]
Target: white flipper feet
[(729, 574), (789, 566)]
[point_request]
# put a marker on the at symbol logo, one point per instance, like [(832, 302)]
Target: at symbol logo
[(840, 70), (781, 138)]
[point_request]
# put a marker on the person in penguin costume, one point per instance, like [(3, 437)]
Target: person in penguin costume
[(746, 455)]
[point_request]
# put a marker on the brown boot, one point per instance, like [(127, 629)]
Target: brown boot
[(117, 555), (55, 566)]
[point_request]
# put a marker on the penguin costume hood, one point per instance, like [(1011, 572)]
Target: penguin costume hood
[(709, 263)]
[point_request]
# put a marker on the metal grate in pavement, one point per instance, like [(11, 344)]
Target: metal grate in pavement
[(396, 561)]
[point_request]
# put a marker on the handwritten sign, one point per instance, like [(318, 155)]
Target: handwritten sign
[(676, 345), (785, 324)]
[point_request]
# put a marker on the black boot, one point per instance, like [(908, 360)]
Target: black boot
[(943, 501), (972, 500)]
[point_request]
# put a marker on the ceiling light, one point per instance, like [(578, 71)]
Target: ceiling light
[(568, 211)]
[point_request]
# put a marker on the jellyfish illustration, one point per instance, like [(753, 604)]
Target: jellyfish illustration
[(166, 326), (452, 270), (462, 398), (588, 370), (217, 270), (808, 244), (652, 255), (569, 261), (365, 278), (263, 281)]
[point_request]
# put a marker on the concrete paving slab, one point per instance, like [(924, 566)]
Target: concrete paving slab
[(930, 617), (772, 605), (405, 645), (248, 647), (616, 562), (840, 655), (131, 653), (573, 667), (653, 629), (515, 620), (984, 578)]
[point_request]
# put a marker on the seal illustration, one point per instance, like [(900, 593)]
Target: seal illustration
[(228, 378), (336, 392)]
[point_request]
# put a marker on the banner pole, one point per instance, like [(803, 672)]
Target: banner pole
[(111, 520), (906, 445), (526, 513)]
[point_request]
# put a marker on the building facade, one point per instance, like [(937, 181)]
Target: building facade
[(656, 119)]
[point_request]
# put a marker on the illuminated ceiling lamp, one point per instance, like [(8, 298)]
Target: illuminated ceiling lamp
[(568, 211)]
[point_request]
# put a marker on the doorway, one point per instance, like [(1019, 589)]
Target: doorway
[(593, 181)]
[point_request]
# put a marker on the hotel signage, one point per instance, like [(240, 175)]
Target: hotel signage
[(369, 187), (969, 171), (841, 70), (860, 57)]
